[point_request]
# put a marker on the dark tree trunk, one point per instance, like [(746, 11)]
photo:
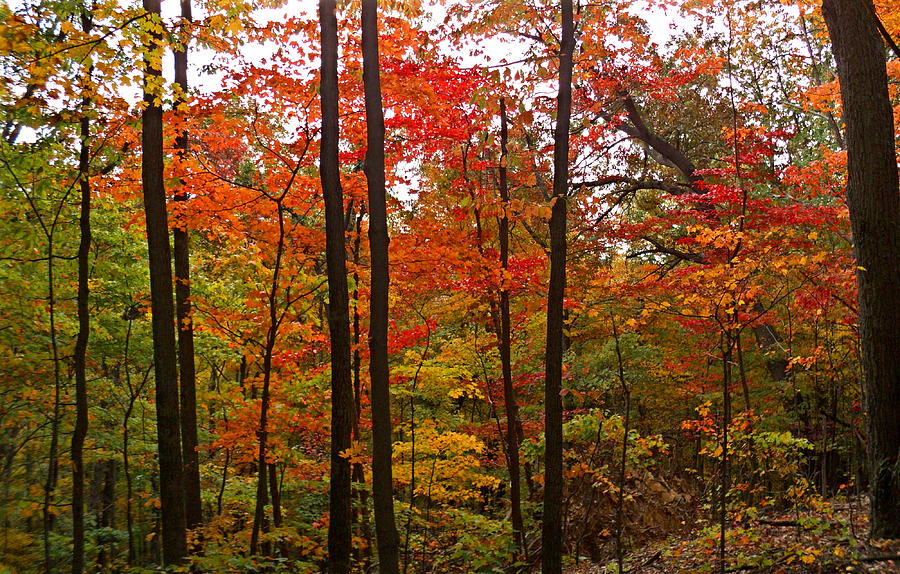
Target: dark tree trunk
[(874, 203), (363, 555), (552, 529), (276, 496), (186, 369), (382, 480), (79, 356), (105, 478), (724, 466), (509, 393), (133, 395), (341, 519), (168, 419), (48, 517), (260, 523)]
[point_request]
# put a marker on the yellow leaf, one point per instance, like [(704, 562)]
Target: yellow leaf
[(234, 26)]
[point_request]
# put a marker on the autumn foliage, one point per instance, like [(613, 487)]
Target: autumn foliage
[(710, 352)]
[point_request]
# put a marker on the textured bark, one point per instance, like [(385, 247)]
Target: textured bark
[(874, 203), (186, 368), (551, 532), (340, 523), (79, 355), (168, 419), (504, 344), (667, 151), (382, 480)]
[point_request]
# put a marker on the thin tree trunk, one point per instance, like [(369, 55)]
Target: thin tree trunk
[(126, 468), (359, 475), (79, 358), (168, 418), (186, 369), (725, 478), (874, 204), (53, 462), (745, 388), (106, 506), (623, 461), (552, 531), (504, 340), (262, 499), (340, 491), (224, 482), (276, 496), (382, 480)]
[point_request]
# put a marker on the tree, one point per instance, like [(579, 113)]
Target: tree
[(187, 373), (339, 526), (168, 419), (874, 203), (382, 476), (552, 531), (79, 358), (504, 343)]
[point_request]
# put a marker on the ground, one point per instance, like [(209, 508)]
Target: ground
[(830, 539)]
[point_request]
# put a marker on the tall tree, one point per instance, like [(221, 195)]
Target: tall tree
[(552, 531), (165, 360), (340, 524), (262, 466), (182, 247), (79, 356), (382, 480), (874, 202), (504, 343)]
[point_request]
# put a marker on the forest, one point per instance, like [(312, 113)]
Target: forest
[(430, 286)]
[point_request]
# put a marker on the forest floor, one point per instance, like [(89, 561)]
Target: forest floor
[(830, 539)]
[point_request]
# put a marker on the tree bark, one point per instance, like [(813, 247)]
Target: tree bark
[(186, 368), (551, 533), (168, 418), (382, 479), (874, 204), (340, 491)]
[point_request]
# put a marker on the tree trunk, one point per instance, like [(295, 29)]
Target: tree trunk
[(504, 340), (552, 531), (186, 368), (382, 480), (168, 418), (262, 465), (275, 495), (363, 555), (874, 203), (79, 356), (105, 479), (340, 523), (47, 515)]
